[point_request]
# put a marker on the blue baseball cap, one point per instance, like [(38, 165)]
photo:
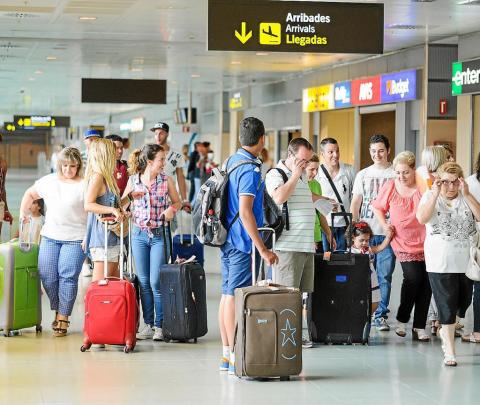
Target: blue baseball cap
[(91, 133)]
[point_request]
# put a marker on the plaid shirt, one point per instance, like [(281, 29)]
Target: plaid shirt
[(148, 209)]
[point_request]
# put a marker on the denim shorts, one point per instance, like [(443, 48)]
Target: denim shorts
[(236, 269)]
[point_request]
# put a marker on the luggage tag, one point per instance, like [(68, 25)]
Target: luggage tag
[(103, 282), (327, 256)]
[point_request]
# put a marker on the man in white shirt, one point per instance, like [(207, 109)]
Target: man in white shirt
[(174, 161), (365, 189), (342, 176), (295, 247)]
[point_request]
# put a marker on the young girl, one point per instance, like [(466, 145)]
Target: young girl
[(31, 232), (361, 235)]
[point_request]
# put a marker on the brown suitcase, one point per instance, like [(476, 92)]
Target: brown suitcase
[(268, 340)]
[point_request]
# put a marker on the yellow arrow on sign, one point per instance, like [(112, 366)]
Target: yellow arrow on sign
[(244, 36)]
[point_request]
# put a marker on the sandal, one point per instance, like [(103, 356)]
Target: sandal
[(420, 335), (55, 322), (59, 331), (470, 338), (449, 360), (434, 328)]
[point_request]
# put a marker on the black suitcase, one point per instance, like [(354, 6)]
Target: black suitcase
[(184, 300), (339, 309)]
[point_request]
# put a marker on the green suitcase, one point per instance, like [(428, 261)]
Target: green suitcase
[(20, 293)]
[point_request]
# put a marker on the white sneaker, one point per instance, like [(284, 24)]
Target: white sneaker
[(401, 329), (146, 333), (158, 335)]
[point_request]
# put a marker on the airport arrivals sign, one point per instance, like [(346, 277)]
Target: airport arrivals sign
[(466, 77), (295, 26)]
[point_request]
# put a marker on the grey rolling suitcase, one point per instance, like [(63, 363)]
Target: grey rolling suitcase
[(268, 339)]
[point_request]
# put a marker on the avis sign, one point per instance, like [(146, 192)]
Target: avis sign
[(366, 91)]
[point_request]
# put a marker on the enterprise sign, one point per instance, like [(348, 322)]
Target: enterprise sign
[(466, 77), (387, 88), (295, 26)]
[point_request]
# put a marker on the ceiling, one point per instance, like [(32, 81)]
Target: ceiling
[(45, 48)]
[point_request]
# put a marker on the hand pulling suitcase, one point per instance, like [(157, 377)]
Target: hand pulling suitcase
[(130, 275), (20, 292), (183, 246), (339, 309), (111, 310), (268, 338), (184, 298)]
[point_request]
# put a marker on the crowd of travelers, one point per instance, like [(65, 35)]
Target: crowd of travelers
[(423, 217)]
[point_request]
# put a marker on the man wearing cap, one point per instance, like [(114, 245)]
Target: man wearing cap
[(174, 161), (89, 136)]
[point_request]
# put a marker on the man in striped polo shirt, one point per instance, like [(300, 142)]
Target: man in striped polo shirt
[(295, 247)]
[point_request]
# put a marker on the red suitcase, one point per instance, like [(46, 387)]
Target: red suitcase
[(111, 310)]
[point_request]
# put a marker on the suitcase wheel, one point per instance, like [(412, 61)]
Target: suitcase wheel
[(128, 349), (38, 329), (83, 348), (285, 378), (166, 339)]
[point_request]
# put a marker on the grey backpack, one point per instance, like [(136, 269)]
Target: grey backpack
[(209, 212)]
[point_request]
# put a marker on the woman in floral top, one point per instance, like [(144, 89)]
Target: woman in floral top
[(400, 198), (449, 211), (154, 200)]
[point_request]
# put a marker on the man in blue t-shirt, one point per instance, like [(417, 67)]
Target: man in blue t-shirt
[(245, 214)]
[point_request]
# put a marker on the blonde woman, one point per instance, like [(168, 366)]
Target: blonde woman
[(399, 198), (61, 255), (102, 199), (449, 211)]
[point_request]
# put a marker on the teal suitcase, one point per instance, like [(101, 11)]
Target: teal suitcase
[(20, 293)]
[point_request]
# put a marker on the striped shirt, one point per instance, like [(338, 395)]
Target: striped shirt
[(148, 209), (301, 213)]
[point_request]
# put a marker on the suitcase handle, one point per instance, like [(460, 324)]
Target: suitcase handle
[(167, 250), (180, 230), (105, 261), (349, 220), (254, 251), (24, 246)]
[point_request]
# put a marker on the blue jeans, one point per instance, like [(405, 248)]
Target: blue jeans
[(339, 235), (59, 265), (149, 255), (384, 264)]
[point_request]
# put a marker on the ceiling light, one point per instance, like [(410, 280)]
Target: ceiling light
[(38, 72), (262, 53), (86, 18), (51, 58), (405, 27), (469, 3), (195, 75), (235, 62)]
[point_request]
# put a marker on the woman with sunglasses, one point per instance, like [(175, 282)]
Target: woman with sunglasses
[(399, 199), (449, 212)]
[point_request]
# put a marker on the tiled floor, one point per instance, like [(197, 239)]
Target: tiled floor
[(37, 369)]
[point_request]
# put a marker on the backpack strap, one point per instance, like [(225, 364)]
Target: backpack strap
[(229, 171), (285, 204)]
